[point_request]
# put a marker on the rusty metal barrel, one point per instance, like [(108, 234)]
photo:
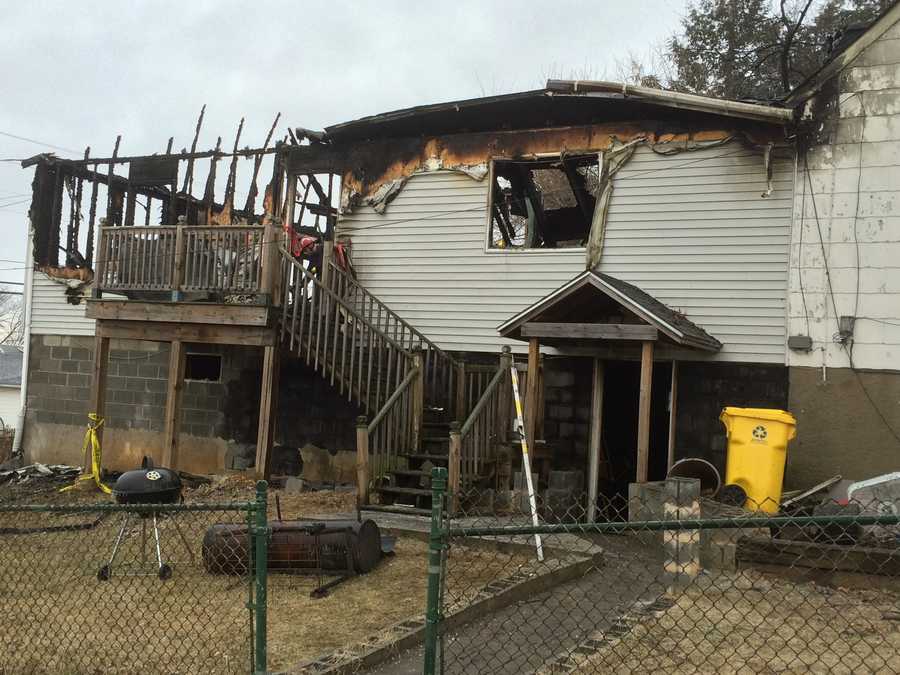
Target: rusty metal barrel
[(299, 546)]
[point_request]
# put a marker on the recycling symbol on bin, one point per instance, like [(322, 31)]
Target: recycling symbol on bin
[(760, 433)]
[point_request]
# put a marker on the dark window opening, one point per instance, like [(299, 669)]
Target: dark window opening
[(544, 203), (204, 367)]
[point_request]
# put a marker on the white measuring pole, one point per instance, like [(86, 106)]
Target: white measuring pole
[(526, 462)]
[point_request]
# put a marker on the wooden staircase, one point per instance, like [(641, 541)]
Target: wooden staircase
[(408, 388)]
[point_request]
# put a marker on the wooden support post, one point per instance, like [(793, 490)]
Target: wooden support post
[(270, 256), (460, 412), (504, 396), (327, 257), (180, 254), (595, 449), (643, 439), (98, 390), (531, 390), (100, 263), (267, 409), (418, 399), (673, 411), (362, 461), (174, 389), (454, 462)]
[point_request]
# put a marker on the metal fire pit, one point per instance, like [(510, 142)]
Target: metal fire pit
[(342, 548)]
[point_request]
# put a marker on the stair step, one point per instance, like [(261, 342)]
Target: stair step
[(416, 492), (396, 508), (428, 457), (409, 472)]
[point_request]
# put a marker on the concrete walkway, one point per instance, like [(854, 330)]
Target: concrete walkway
[(527, 635)]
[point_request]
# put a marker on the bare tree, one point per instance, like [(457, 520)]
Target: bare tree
[(791, 22), (12, 318)]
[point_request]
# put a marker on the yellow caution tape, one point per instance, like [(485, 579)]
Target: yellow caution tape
[(93, 442)]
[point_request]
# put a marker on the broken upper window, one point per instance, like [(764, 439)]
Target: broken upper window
[(544, 203)]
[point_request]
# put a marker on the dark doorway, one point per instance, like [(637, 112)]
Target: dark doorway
[(621, 391)]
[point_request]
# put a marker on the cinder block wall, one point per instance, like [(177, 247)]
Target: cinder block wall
[(59, 383), (705, 388)]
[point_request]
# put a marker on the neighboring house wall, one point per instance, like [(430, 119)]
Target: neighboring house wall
[(691, 229), (9, 406), (849, 422), (854, 168)]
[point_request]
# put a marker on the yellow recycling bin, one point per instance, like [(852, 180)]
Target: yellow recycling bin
[(757, 446)]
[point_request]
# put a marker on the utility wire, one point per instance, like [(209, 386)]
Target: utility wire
[(36, 142)]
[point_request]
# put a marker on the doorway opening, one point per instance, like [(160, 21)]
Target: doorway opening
[(621, 394)]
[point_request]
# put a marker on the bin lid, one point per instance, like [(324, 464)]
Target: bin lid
[(772, 414)]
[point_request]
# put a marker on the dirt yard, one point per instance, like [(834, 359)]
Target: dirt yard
[(68, 621), (750, 622)]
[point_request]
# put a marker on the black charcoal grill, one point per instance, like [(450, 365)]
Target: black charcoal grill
[(148, 485)]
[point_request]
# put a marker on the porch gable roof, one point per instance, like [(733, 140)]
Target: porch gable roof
[(595, 288)]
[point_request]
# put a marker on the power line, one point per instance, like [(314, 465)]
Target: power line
[(36, 142), (17, 203)]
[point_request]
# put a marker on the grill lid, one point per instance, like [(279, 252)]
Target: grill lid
[(149, 485)]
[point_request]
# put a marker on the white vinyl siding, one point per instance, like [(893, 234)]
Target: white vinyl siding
[(694, 231), (690, 229), (52, 314)]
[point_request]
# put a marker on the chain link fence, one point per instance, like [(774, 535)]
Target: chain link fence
[(93, 588), (663, 581)]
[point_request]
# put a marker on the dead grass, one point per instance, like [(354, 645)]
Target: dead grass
[(749, 622), (67, 621)]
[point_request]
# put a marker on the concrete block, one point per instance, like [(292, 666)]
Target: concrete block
[(561, 412), (558, 378), (61, 353), (294, 485), (125, 368), (148, 371), (573, 481), (155, 385), (79, 380), (80, 354), (52, 340)]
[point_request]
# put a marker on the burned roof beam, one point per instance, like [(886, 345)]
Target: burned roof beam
[(579, 189)]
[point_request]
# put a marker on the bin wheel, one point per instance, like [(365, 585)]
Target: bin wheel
[(165, 572), (104, 573)]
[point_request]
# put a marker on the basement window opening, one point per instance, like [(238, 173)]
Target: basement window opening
[(203, 367), (545, 203)]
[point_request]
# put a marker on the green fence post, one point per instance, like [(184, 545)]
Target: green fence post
[(261, 532), (435, 554)]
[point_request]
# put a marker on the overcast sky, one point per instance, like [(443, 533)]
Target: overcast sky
[(78, 73)]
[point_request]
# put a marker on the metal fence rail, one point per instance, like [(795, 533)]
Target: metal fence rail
[(667, 581), (90, 588)]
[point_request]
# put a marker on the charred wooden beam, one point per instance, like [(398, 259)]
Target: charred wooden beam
[(189, 174), (250, 206)]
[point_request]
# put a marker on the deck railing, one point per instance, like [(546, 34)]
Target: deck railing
[(186, 259)]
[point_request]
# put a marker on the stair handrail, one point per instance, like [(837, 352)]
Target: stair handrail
[(472, 442), (393, 429), (333, 268), (385, 409), (344, 305), (444, 364)]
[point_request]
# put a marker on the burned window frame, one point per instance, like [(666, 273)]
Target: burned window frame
[(585, 201)]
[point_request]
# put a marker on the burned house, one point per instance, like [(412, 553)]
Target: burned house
[(638, 254)]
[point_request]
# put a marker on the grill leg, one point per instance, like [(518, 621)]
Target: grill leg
[(165, 571), (105, 572)]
